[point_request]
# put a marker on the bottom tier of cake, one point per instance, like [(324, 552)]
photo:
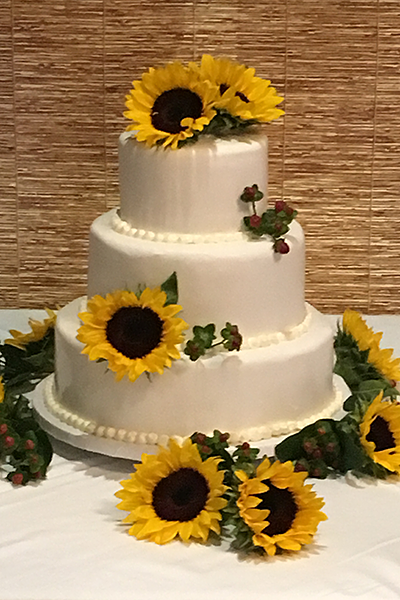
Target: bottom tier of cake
[(253, 394)]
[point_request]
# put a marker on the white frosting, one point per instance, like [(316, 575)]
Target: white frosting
[(123, 227), (193, 190), (122, 435), (259, 341), (244, 282), (253, 393), (180, 211)]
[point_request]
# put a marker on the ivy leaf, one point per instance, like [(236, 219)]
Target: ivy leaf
[(352, 457), (291, 448), (204, 335), (170, 287), (367, 392)]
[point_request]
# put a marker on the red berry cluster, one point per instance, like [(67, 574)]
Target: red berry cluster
[(19, 455), (316, 449), (274, 222)]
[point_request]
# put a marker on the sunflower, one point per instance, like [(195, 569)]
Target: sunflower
[(278, 508), (1, 390), (133, 333), (169, 105), (39, 330), (241, 93), (380, 433), (367, 339), (174, 494)]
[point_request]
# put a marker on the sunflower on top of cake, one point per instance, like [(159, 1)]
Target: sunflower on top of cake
[(175, 104)]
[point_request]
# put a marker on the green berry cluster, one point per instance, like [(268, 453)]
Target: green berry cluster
[(203, 340)]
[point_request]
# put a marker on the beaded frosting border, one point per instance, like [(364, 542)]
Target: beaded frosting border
[(259, 341), (121, 226), (253, 434)]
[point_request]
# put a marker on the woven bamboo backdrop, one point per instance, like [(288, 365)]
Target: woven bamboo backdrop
[(65, 66)]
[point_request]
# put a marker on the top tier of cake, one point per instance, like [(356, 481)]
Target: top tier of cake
[(194, 190)]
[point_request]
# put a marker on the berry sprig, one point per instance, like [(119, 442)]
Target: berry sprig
[(203, 338), (243, 457), (274, 222), (25, 450)]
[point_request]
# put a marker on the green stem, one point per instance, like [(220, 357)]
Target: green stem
[(217, 344)]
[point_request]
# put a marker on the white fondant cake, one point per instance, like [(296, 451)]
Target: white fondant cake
[(181, 211)]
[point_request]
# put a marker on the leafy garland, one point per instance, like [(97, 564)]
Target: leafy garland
[(25, 449), (331, 446)]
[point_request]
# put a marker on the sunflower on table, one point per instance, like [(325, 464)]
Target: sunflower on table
[(359, 356), (275, 510), (174, 494), (39, 329)]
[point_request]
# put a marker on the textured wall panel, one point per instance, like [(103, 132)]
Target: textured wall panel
[(332, 55), (384, 292), (66, 65), (8, 193), (59, 95)]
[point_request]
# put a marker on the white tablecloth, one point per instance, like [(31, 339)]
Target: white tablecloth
[(63, 539)]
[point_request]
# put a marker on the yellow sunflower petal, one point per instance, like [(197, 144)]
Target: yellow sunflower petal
[(37, 333), (97, 345), (149, 97), (279, 478), (367, 339), (138, 495), (382, 444)]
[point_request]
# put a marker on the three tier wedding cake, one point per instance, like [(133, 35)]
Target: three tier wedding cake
[(195, 317)]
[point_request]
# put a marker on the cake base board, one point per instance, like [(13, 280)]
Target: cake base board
[(110, 447)]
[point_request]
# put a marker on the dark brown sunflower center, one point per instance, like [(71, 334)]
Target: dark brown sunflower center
[(283, 509), (223, 87), (180, 496), (380, 434), (134, 331), (174, 105)]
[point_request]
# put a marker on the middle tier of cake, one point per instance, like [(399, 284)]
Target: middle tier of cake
[(242, 281)]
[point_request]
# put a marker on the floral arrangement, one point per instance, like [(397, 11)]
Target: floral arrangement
[(263, 505), (274, 222), (199, 488), (366, 440), (139, 332), (25, 359), (176, 104), (203, 340)]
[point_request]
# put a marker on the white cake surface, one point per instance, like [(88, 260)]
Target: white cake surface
[(244, 282), (195, 189), (253, 394), (181, 212)]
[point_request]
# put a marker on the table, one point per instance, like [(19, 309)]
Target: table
[(62, 539)]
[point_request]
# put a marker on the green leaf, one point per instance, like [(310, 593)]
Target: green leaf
[(352, 456), (291, 448), (204, 335), (45, 447), (170, 287)]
